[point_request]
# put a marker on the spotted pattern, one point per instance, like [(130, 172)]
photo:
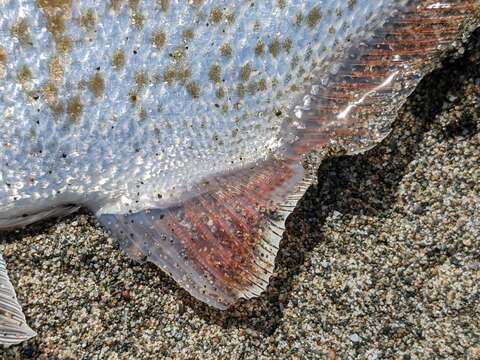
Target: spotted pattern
[(110, 103)]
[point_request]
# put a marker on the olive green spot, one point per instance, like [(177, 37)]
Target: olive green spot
[(182, 75), (252, 88), (287, 44), (24, 75), (97, 85), (75, 108), (141, 79), (230, 17), (88, 20), (56, 108), (226, 50), (281, 4), (118, 60), (164, 4), (331, 30), (295, 61), (274, 48), (158, 39), (55, 69), (338, 11), (193, 89), (50, 92), (245, 72), (63, 44), (351, 4), (241, 91), (178, 54), (262, 85), (214, 73), (133, 4), (116, 5), (216, 15), (188, 35), (314, 17), (20, 31), (169, 75), (3, 55), (224, 108), (220, 93), (260, 48), (137, 20)]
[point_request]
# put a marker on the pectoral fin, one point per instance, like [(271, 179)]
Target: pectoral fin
[(220, 245), (13, 326)]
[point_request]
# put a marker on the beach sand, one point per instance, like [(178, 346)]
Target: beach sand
[(380, 260)]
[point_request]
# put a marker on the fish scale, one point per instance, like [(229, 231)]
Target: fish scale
[(184, 125)]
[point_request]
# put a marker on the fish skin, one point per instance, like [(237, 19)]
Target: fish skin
[(187, 140)]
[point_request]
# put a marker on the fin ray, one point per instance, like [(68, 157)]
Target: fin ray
[(13, 325)]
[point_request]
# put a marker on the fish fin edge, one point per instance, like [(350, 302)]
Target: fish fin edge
[(13, 325), (221, 244)]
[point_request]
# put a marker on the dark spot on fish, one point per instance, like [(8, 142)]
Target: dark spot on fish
[(214, 73), (24, 75), (274, 48), (188, 35), (245, 72), (158, 39), (164, 4), (97, 85), (88, 20), (314, 17), (118, 60), (116, 5), (226, 50), (193, 89), (20, 31), (137, 20), (75, 108), (260, 48)]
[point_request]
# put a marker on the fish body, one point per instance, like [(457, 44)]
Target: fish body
[(183, 125)]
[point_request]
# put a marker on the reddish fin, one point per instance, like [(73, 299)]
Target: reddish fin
[(220, 245)]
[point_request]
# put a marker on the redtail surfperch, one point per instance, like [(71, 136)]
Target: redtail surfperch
[(184, 126)]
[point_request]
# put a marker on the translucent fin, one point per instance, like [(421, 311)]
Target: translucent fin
[(13, 326), (357, 104), (220, 245)]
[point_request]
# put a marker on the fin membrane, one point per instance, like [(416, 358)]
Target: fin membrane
[(357, 105), (221, 244), (13, 326)]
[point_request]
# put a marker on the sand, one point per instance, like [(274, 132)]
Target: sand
[(380, 260)]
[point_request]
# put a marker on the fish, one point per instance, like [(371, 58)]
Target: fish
[(189, 127)]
